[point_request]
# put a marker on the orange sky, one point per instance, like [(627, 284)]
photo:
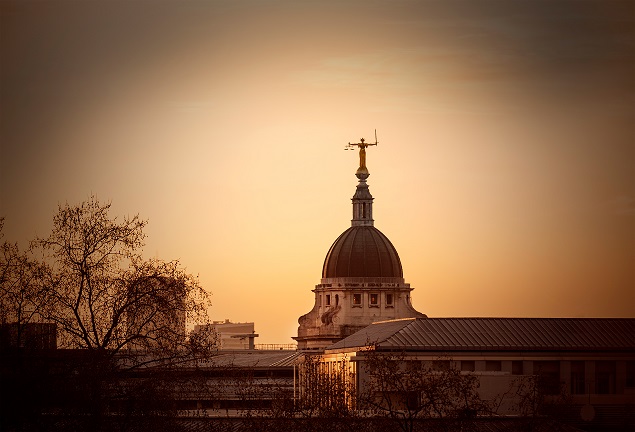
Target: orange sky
[(505, 174)]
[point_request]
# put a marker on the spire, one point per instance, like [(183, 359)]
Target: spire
[(362, 200)]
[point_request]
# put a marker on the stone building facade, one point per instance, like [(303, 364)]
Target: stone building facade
[(362, 278), (582, 369)]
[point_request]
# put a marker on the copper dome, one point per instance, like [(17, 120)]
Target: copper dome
[(362, 251)]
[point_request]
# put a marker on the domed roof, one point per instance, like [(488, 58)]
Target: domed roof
[(362, 251)]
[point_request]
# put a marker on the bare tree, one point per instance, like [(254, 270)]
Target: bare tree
[(119, 311), (409, 391), (324, 402), (384, 391), (540, 403), (105, 297), (20, 293)]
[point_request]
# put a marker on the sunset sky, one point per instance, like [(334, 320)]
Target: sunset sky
[(504, 174)]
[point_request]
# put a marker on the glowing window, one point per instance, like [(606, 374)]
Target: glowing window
[(357, 299), (374, 299)]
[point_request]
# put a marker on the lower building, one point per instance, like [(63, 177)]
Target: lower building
[(229, 335), (585, 368), (28, 335), (234, 381)]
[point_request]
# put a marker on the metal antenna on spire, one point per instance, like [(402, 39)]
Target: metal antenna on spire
[(362, 144)]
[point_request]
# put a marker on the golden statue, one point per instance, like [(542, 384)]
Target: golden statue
[(362, 153)]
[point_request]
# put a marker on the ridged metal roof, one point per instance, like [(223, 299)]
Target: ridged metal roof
[(362, 251), (497, 334)]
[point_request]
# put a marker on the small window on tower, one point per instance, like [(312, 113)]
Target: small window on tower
[(389, 300), (357, 299), (328, 300), (374, 300), (337, 299)]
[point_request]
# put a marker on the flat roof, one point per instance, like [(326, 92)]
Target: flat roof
[(254, 358)]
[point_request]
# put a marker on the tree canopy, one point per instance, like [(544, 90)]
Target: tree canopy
[(91, 279)]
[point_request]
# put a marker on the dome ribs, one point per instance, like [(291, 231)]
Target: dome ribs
[(379, 261), (362, 251), (351, 252)]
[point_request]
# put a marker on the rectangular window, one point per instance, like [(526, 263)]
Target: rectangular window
[(517, 367), (605, 377), (357, 299), (441, 365), (398, 400), (577, 377), (548, 372), (328, 300), (493, 365), (374, 299), (630, 374), (467, 365), (388, 300)]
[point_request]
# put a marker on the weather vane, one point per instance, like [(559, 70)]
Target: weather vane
[(362, 144)]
